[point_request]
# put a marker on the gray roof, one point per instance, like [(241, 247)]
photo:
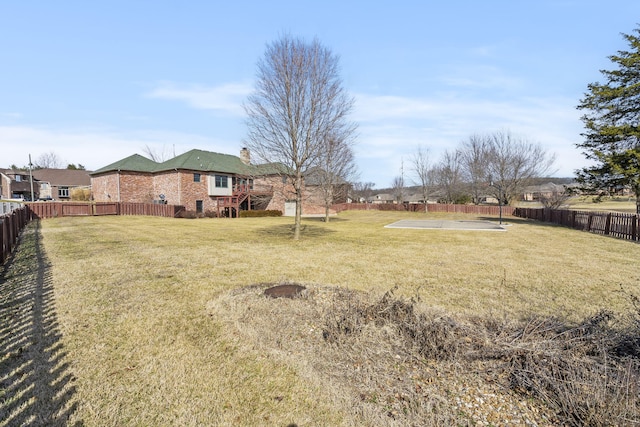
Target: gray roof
[(63, 177)]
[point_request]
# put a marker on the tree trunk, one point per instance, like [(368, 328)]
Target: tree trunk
[(297, 185)]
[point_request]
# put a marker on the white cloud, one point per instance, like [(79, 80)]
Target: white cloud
[(391, 128), (225, 98), (95, 148), (480, 77)]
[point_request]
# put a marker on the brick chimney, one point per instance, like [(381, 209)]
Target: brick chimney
[(245, 156)]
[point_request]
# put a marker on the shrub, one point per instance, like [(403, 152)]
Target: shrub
[(81, 194), (187, 214), (259, 213), (210, 213)]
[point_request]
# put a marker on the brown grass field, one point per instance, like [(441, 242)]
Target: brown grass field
[(151, 321)]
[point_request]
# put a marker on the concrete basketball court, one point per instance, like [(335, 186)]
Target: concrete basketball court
[(440, 224)]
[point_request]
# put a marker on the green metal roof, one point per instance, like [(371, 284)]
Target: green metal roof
[(134, 163), (194, 160), (205, 161)]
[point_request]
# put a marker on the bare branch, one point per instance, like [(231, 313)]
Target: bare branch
[(49, 160), (423, 172), (513, 163), (157, 155)]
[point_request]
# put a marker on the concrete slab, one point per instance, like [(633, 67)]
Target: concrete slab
[(437, 224)]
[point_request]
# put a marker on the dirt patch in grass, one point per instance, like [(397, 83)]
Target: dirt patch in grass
[(391, 361)]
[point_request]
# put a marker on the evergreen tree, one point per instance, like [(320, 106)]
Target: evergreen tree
[(612, 123)]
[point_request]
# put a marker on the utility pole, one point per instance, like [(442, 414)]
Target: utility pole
[(31, 176)]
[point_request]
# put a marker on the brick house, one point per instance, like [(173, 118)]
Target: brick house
[(200, 181)]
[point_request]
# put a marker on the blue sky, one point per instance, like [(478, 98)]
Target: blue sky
[(95, 82)]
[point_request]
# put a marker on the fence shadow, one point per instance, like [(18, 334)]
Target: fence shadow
[(36, 384)]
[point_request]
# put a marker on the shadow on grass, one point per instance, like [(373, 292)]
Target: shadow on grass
[(36, 385), (286, 230), (321, 219)]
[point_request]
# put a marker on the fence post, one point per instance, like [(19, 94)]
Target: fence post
[(607, 225), (2, 240)]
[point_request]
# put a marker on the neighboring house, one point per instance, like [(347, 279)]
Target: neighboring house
[(16, 184), (535, 192), (48, 184), (60, 184), (198, 180), (383, 198)]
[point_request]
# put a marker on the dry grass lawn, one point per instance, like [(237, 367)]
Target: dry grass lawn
[(615, 204), (152, 334), (590, 203)]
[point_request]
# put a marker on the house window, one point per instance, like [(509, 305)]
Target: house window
[(63, 192), (196, 177), (222, 181), (199, 206), (18, 178)]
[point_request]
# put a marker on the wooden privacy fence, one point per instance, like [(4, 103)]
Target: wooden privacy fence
[(45, 210), (11, 224), (419, 207), (615, 224)]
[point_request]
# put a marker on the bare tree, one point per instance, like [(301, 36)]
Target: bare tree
[(363, 191), (157, 155), (49, 160), (448, 175), (298, 104), (512, 164), (397, 186), (556, 197), (335, 168), (474, 157), (423, 172)]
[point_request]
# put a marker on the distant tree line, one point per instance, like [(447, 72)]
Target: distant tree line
[(48, 160), (498, 165)]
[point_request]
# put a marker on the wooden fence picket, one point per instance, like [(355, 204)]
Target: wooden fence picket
[(615, 224)]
